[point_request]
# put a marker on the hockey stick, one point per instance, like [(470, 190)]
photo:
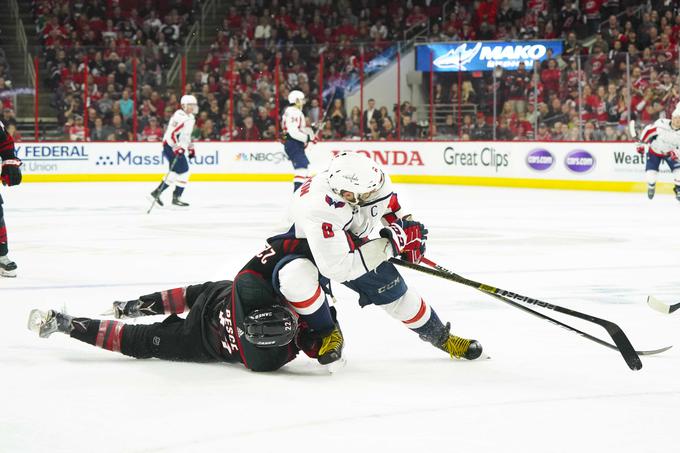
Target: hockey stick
[(622, 344), (660, 306), (165, 178), (631, 129)]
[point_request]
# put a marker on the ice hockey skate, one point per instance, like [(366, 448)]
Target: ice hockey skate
[(8, 268), (676, 189), (457, 347), (156, 195), (177, 201), (131, 309), (46, 323), (331, 347), (651, 189)]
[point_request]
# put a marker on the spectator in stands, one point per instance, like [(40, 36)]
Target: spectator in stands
[(409, 129), (76, 131), (448, 130), (481, 129), (126, 105), (249, 131), (100, 132), (153, 131), (121, 133), (371, 113)]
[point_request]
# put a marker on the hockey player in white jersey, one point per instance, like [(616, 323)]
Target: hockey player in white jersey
[(297, 136), (176, 146), (334, 213), (661, 142)]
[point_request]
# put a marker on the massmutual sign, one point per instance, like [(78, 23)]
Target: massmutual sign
[(483, 55)]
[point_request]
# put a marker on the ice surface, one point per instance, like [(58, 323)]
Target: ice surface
[(544, 390)]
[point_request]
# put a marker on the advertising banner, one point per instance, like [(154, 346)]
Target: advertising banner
[(521, 164), (484, 55)]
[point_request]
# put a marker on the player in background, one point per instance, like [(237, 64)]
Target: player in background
[(176, 146), (10, 176), (661, 142), (243, 321), (334, 213), (297, 137)]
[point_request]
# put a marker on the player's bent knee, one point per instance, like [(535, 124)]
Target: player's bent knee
[(409, 309), (298, 282)]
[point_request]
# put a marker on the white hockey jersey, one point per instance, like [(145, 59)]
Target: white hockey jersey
[(328, 223), (293, 124), (661, 137), (178, 132)]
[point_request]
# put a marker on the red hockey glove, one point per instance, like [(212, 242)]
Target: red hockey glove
[(192, 152), (407, 238), (11, 173), (178, 151), (674, 155), (640, 148)]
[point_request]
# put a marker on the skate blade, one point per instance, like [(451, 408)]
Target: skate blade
[(109, 312), (8, 274), (336, 366), (35, 320)]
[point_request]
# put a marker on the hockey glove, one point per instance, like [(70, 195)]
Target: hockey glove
[(11, 173), (407, 238), (674, 155), (192, 152), (178, 151), (640, 148)]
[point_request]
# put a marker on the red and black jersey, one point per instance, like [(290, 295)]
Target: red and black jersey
[(6, 144)]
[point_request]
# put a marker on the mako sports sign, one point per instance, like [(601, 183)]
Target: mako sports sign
[(483, 55)]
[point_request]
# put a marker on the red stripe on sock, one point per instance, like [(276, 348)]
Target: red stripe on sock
[(179, 299), (3, 234), (103, 325), (117, 336), (421, 312), (308, 302)]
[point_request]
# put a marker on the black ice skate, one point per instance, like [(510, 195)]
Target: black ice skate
[(457, 347), (651, 189), (132, 309), (156, 195), (8, 268), (331, 347), (178, 202), (677, 192), (46, 323)]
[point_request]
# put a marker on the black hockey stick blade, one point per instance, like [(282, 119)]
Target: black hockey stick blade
[(620, 339), (661, 306)]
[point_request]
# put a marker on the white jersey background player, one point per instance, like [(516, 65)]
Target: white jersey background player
[(297, 136), (176, 146), (661, 141), (335, 212)]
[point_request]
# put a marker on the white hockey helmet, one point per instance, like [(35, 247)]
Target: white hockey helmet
[(296, 95), (189, 99), (355, 173)]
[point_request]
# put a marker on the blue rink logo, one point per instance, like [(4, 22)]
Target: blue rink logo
[(579, 161), (540, 159), (52, 152), (144, 160)]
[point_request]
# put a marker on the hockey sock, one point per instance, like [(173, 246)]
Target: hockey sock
[(433, 330), (178, 191), (162, 187), (173, 301), (103, 334)]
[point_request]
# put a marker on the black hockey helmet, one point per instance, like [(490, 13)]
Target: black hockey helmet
[(270, 327)]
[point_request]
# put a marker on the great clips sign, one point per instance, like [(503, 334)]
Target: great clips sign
[(483, 55)]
